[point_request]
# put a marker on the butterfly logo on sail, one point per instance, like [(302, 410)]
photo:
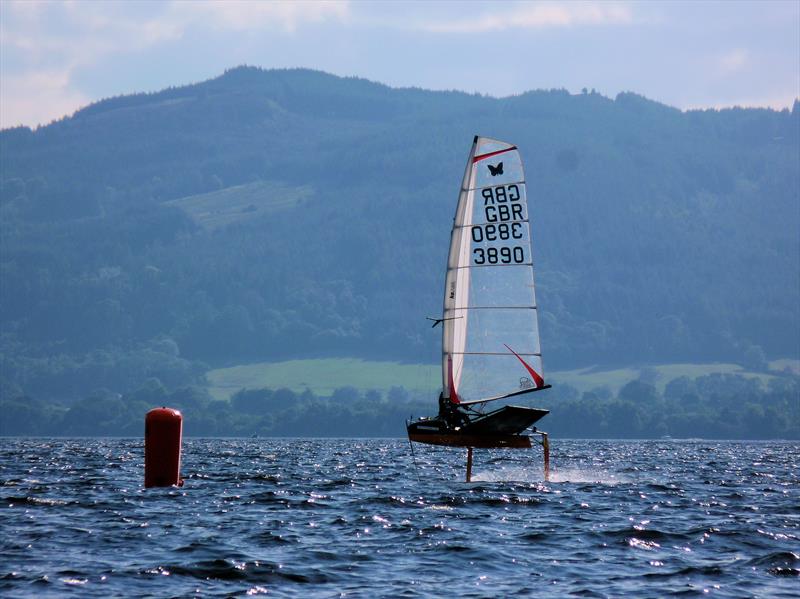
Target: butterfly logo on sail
[(496, 170)]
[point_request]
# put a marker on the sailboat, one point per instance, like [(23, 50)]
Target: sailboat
[(490, 333)]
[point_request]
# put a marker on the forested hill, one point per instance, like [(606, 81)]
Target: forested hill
[(274, 214)]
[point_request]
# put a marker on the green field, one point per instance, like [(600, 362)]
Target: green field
[(240, 202), (590, 378), (324, 376)]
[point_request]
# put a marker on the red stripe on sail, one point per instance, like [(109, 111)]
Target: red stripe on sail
[(538, 379), (490, 154), (453, 394)]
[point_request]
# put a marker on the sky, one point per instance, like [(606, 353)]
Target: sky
[(56, 57)]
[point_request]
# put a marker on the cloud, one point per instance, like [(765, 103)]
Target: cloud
[(71, 35), (45, 46), (38, 97), (244, 15), (734, 61), (537, 16), (24, 10)]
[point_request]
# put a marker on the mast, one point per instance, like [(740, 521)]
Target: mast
[(451, 281)]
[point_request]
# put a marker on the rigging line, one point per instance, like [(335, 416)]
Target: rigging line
[(414, 458), (486, 222), (497, 307), (516, 182), (490, 353), (506, 396)]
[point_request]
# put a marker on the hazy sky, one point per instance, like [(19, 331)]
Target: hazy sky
[(58, 56)]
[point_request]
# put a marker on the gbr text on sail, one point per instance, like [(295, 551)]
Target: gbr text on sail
[(499, 238)]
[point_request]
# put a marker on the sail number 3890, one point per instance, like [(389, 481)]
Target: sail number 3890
[(502, 255)]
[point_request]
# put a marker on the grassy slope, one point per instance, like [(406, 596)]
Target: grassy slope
[(241, 202), (323, 376)]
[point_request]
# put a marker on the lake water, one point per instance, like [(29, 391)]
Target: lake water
[(354, 517)]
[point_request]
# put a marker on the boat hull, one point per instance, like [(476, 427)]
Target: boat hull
[(500, 428), (462, 440)]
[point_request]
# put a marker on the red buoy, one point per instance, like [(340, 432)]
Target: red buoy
[(163, 428)]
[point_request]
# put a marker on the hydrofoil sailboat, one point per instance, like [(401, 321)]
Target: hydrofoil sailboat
[(490, 333)]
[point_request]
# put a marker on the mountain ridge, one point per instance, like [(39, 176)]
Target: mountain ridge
[(647, 220)]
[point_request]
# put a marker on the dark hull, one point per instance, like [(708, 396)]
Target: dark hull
[(461, 440), (500, 428)]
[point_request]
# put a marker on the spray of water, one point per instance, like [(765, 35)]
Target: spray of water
[(561, 475)]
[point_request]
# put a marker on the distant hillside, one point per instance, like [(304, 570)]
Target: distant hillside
[(272, 215)]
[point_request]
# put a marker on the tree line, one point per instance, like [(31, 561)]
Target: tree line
[(711, 407)]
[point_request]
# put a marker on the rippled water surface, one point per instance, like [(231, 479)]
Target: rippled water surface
[(357, 517)]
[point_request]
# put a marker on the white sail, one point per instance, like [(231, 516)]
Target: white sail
[(490, 339)]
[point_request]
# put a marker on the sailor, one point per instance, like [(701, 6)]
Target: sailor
[(443, 404), (450, 413)]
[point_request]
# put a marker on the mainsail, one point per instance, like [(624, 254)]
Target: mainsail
[(490, 338)]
